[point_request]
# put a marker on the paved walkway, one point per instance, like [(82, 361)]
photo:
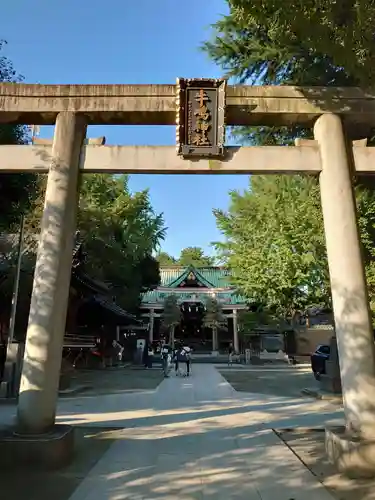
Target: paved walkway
[(197, 438)]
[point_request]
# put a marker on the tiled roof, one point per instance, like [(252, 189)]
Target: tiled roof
[(210, 277), (216, 276), (115, 309)]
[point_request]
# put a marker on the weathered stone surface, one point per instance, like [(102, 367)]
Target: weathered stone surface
[(352, 455), (51, 450), (36, 104), (164, 160), (353, 323), (36, 409)]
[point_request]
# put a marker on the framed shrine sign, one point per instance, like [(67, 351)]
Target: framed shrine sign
[(200, 119)]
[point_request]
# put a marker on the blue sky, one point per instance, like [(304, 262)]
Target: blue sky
[(121, 41)]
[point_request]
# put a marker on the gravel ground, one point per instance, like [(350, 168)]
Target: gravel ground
[(274, 380), (117, 380)]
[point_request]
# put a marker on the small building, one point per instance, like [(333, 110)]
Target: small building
[(316, 327), (192, 286)]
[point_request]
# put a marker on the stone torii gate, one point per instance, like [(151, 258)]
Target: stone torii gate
[(332, 112)]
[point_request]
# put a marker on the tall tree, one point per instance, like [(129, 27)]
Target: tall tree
[(165, 259), (275, 246), (123, 227), (264, 42), (254, 52), (120, 230), (215, 319), (16, 190), (274, 242), (172, 316), (344, 30), (194, 256)]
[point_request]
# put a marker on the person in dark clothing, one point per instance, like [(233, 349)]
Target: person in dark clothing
[(186, 353), (176, 358), (230, 354)]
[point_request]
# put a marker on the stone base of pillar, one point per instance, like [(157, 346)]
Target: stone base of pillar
[(45, 451), (330, 384), (351, 455)]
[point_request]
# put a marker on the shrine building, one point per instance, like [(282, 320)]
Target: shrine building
[(192, 286)]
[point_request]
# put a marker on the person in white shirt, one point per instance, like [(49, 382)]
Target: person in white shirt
[(166, 357)]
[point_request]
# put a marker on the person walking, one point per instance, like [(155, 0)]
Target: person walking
[(148, 355), (166, 356), (176, 359), (187, 354), (183, 358), (230, 354)]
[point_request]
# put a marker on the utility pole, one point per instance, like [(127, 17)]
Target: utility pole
[(16, 284)]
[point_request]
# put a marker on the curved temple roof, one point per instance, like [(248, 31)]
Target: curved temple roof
[(194, 284)]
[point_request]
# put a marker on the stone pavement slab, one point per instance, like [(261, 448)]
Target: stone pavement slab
[(196, 438)]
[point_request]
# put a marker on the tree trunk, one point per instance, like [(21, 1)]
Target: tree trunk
[(171, 336), (214, 339)]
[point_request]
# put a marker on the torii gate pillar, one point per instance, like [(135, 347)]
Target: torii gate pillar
[(46, 327), (353, 323)]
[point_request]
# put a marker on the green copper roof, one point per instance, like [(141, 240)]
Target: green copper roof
[(208, 277), (214, 277)]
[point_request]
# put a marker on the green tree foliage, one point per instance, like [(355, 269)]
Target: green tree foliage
[(257, 47), (194, 256), (172, 316), (269, 42), (342, 30), (16, 190), (165, 259), (274, 242), (190, 256), (8, 259), (214, 318), (120, 231), (259, 52), (257, 319), (250, 320)]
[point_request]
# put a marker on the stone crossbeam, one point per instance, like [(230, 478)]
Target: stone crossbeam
[(164, 160), (96, 141), (36, 104)]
